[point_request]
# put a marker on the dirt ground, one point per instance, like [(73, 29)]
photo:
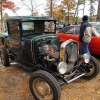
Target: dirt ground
[(14, 86)]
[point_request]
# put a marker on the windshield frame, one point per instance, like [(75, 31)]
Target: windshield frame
[(96, 33)]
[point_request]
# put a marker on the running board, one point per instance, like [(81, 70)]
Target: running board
[(30, 69)]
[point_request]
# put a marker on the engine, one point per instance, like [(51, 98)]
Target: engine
[(47, 47), (49, 51)]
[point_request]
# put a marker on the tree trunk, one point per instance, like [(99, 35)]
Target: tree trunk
[(98, 11), (83, 7), (1, 16), (76, 12)]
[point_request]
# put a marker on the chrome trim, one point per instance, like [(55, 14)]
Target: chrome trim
[(32, 50), (63, 50)]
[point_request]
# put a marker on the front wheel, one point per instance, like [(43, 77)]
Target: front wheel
[(4, 56), (44, 86), (94, 69)]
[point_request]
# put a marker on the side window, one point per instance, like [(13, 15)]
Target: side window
[(77, 30), (70, 31)]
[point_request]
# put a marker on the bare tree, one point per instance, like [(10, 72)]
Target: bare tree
[(31, 5), (50, 5), (6, 4), (80, 3)]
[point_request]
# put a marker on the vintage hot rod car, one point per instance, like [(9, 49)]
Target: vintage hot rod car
[(33, 44)]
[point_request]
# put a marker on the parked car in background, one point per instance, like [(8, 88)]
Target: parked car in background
[(72, 32), (96, 25), (59, 26)]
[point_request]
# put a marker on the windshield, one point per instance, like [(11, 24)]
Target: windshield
[(38, 27)]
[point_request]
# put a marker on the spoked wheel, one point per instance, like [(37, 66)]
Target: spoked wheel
[(94, 69), (44, 86), (4, 56)]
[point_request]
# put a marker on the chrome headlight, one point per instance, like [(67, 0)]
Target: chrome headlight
[(62, 67), (86, 57)]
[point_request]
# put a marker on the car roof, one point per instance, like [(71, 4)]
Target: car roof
[(30, 18)]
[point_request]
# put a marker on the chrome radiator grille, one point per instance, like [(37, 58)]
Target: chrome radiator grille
[(72, 50), (69, 52)]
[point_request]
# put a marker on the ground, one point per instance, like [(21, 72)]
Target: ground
[(14, 86)]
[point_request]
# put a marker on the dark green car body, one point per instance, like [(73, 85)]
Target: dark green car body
[(26, 36)]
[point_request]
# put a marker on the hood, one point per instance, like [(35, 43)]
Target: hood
[(36, 35)]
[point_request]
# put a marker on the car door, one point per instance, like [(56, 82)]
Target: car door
[(14, 39), (94, 45)]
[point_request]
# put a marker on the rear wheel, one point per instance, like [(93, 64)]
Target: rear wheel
[(44, 86), (4, 56), (94, 69)]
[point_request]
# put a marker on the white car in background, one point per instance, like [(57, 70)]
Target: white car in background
[(96, 25)]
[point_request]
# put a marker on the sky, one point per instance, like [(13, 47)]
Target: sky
[(24, 12), (86, 10)]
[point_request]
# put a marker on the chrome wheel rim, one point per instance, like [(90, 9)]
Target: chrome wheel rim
[(92, 69), (42, 89)]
